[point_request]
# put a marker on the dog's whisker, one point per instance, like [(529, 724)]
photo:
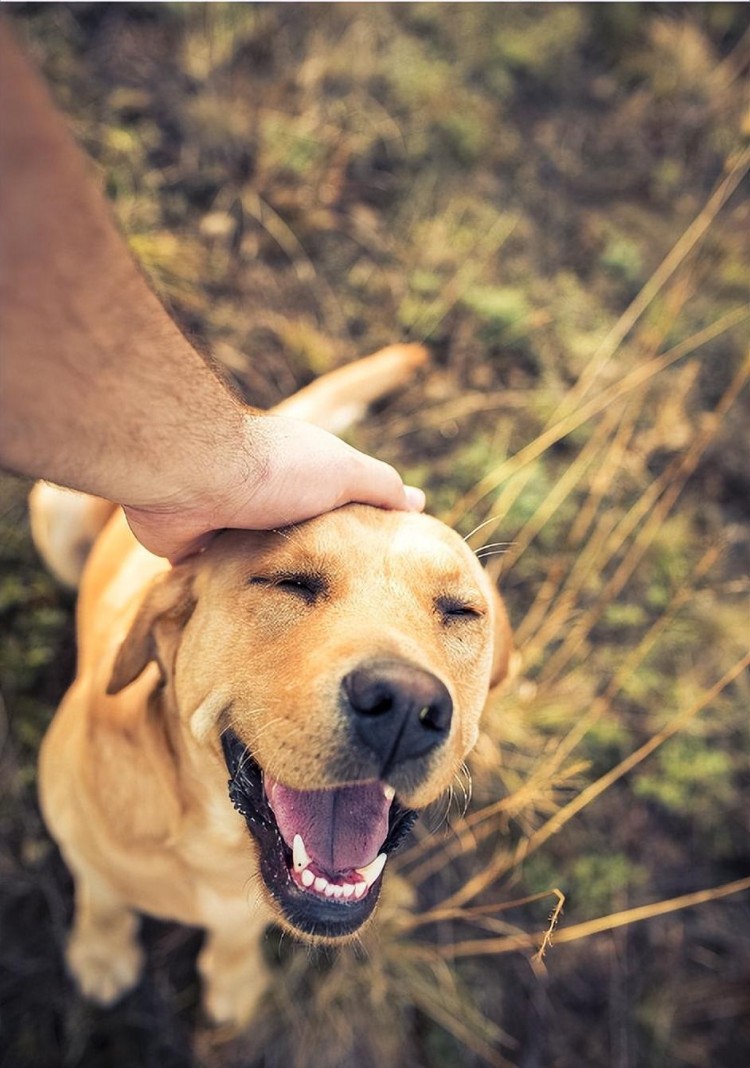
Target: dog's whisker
[(493, 545), (442, 808), (359, 948), (449, 805), (247, 754), (253, 887), (492, 552), (285, 532), (293, 535), (259, 711), (479, 526), (267, 727), (464, 780), (258, 731)]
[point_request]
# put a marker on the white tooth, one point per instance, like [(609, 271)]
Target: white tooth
[(299, 854), (359, 889), (330, 890), (348, 889), (321, 884), (373, 870), (389, 792), (307, 877), (338, 891)]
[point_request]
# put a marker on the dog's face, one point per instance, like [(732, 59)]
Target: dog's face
[(340, 667)]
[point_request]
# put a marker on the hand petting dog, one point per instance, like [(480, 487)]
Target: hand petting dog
[(296, 471)]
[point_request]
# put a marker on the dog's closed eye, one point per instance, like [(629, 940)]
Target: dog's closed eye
[(453, 609), (307, 586)]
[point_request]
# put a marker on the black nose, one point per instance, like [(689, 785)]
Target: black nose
[(399, 711)]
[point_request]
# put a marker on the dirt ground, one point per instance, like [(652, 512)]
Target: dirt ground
[(550, 197)]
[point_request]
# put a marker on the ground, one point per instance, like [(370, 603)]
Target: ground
[(550, 197)]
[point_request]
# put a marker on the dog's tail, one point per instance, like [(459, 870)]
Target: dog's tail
[(65, 523), (340, 399)]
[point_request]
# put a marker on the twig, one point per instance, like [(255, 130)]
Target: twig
[(512, 944)]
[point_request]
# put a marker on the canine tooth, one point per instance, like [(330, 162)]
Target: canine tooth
[(359, 889), (321, 884), (299, 854), (389, 792), (348, 889), (373, 870), (307, 877)]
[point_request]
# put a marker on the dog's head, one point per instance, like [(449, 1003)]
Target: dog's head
[(339, 668)]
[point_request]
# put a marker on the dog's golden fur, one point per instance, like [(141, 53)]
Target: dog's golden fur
[(132, 777)]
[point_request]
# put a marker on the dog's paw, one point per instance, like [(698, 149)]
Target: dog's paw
[(104, 972)]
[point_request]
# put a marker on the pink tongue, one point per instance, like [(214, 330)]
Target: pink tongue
[(341, 828)]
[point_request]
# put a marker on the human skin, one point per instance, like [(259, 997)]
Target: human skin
[(101, 392)]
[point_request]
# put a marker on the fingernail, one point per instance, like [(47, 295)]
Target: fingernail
[(415, 498)]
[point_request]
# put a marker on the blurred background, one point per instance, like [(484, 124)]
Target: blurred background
[(550, 196)]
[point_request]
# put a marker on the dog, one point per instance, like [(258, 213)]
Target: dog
[(251, 732)]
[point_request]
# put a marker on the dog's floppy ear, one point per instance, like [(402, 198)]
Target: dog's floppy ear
[(155, 631), (502, 641)]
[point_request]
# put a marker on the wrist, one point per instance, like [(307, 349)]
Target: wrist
[(220, 470)]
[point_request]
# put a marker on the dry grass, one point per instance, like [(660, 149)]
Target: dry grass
[(608, 541), (579, 442)]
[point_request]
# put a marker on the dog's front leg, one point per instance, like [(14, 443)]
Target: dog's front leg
[(235, 975), (103, 952)]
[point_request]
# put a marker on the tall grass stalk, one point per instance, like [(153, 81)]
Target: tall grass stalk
[(565, 426), (521, 942), (656, 337), (658, 499)]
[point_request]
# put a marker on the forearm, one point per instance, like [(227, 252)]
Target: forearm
[(85, 346)]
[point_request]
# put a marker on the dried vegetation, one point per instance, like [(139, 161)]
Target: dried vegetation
[(550, 195)]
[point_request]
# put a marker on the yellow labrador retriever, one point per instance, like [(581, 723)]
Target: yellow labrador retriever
[(313, 686)]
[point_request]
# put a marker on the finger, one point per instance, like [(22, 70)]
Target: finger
[(415, 498), (367, 480), (371, 481)]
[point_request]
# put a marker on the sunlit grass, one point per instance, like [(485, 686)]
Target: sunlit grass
[(604, 540), (338, 178)]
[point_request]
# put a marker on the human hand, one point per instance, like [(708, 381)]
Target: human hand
[(282, 472)]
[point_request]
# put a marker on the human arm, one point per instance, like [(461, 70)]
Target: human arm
[(100, 390)]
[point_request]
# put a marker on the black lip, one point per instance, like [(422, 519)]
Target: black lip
[(309, 914)]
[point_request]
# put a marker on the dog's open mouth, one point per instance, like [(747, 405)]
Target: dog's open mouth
[(322, 852)]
